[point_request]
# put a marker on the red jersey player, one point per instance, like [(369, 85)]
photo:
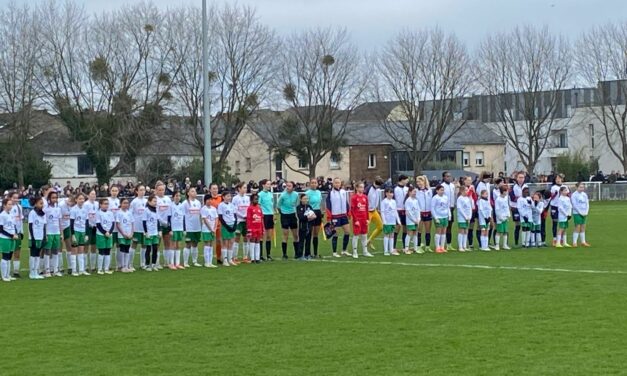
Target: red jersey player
[(254, 224), (359, 212)]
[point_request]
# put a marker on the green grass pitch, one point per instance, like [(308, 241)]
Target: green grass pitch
[(519, 312)]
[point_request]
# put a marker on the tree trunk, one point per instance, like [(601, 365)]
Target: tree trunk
[(312, 171)]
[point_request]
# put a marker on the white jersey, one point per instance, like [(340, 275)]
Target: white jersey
[(339, 202), (164, 205), (464, 209), (481, 186), (440, 207), (124, 220), (241, 204), (524, 208), (138, 208), (389, 212), (38, 223), (580, 202), (227, 211), (412, 210), (176, 220), (152, 222), (565, 208), (555, 194), (65, 215), (449, 193), (424, 197), (536, 212), (496, 193), (114, 207), (18, 217), (92, 208), (79, 216), (8, 224), (515, 194), (53, 219), (192, 215), (501, 209), (485, 211), (210, 214), (400, 192), (106, 220), (374, 198)]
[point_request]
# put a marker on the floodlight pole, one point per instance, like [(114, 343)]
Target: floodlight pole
[(206, 108)]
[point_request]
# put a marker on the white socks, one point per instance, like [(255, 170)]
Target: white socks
[(73, 264), (364, 243), (4, 269), (186, 256), (16, 266), (107, 263), (355, 243), (460, 241), (142, 257), (131, 257), (47, 263), (177, 257), (119, 259), (235, 249), (406, 241), (100, 262), (208, 253), (538, 239), (484, 241), (257, 247), (582, 236), (386, 249), (575, 237), (81, 262), (194, 254), (93, 256)]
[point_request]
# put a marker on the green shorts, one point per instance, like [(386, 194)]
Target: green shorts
[(193, 237), (526, 225), (208, 237), (563, 225), (93, 234), (178, 236), (441, 222), (80, 239), (241, 228), (411, 227), (388, 229), (579, 219), (151, 240), (485, 226), (7, 245), (67, 233), (102, 242), (138, 237), (53, 242), (39, 244), (115, 238), (462, 225), (502, 228), (535, 228), (226, 234), (124, 241), (18, 243)]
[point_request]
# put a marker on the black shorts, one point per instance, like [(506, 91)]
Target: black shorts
[(425, 217), (318, 220), (340, 221), (403, 216), (268, 221), (554, 213), (515, 215), (474, 217), (289, 221)]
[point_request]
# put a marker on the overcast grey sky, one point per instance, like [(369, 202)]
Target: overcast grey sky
[(372, 22)]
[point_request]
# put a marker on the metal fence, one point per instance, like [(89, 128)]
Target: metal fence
[(596, 191)]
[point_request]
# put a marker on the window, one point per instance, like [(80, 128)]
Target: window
[(562, 140), (591, 127), (466, 159), (249, 165), (372, 160), (302, 164), (278, 164), (84, 165), (334, 161), (237, 169), (479, 159)]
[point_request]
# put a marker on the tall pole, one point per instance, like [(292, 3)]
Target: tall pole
[(206, 108)]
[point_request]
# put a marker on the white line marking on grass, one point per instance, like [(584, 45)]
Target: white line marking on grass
[(474, 266)]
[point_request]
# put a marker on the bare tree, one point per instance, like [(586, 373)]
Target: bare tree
[(20, 38), (109, 78), (322, 81), (601, 56), (243, 63), (428, 74), (526, 69)]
